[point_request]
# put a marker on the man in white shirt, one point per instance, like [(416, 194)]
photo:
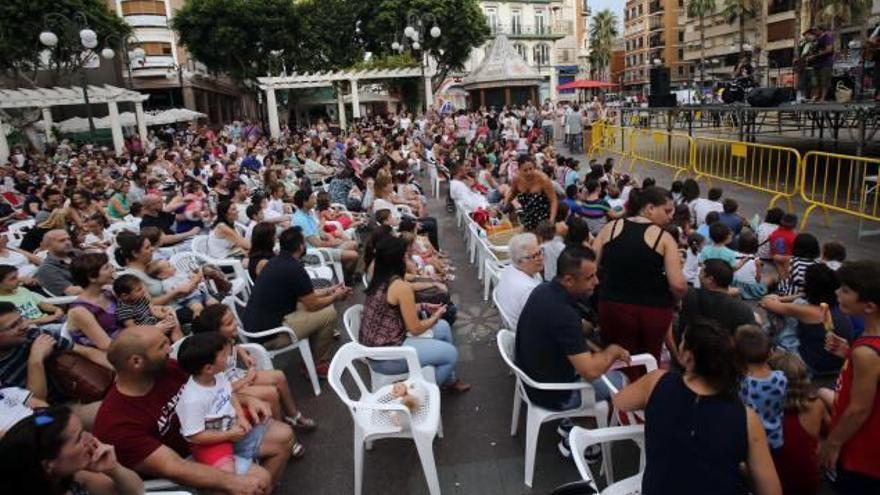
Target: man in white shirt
[(519, 278), (460, 188), (701, 206)]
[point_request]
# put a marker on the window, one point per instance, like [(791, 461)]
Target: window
[(154, 48), (521, 50), (516, 22), (541, 54), (540, 22), (492, 18), (680, 70), (680, 54), (681, 37), (143, 7)]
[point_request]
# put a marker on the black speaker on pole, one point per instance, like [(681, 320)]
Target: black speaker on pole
[(660, 90)]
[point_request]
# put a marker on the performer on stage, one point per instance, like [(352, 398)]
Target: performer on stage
[(822, 62)]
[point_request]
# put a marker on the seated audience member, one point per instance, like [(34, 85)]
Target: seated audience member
[(50, 452), (268, 385), (730, 217), (223, 240), (30, 305), (807, 333), (520, 277), (781, 240), (805, 252), (771, 222), (174, 281), (136, 309), (138, 418), (263, 239), (338, 249), (391, 318), (853, 445), (550, 344), (712, 301), (155, 215), (92, 316), (54, 274), (460, 188), (25, 262), (803, 420), (833, 254), (552, 244), (702, 206), (283, 295), (721, 236), (762, 388), (694, 418)]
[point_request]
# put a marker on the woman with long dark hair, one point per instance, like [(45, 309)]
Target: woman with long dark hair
[(640, 273), (49, 453), (262, 248), (392, 318), (223, 240), (697, 431)]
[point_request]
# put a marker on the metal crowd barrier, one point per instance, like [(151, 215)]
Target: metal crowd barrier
[(608, 138), (662, 148), (772, 169), (842, 183)]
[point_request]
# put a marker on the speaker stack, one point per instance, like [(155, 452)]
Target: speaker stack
[(660, 89)]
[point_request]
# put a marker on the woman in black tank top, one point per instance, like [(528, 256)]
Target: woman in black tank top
[(640, 274), (697, 431)]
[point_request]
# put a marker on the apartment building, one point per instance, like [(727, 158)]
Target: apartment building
[(653, 36), (582, 35), (544, 34), (167, 72)]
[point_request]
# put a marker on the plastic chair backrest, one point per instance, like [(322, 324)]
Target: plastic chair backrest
[(581, 438), (506, 343), (200, 244), (229, 301), (504, 317), (351, 352), (352, 321)]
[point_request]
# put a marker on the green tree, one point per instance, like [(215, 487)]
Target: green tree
[(603, 32), (242, 38), (700, 9), (739, 11), (22, 21)]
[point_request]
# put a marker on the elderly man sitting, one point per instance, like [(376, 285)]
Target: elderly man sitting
[(519, 278)]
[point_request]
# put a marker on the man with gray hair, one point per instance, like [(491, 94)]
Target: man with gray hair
[(519, 278)]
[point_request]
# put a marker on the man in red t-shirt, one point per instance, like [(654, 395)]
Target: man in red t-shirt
[(138, 418), (852, 448)]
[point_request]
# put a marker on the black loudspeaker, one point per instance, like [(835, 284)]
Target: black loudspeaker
[(769, 97), (662, 101), (659, 80)]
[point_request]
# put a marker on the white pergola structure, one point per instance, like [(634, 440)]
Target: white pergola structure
[(331, 78), (46, 98)]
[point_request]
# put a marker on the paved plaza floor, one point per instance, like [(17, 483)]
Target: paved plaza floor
[(477, 456)]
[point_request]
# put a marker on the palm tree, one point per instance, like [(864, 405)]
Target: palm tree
[(843, 12), (738, 11), (700, 9), (603, 32)]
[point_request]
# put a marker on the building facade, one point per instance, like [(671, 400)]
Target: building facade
[(167, 72), (544, 34), (653, 35)]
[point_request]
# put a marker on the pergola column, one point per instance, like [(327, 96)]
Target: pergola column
[(429, 93), (340, 106), (554, 81), (47, 124), (272, 107), (141, 121), (116, 128), (4, 145), (355, 100)]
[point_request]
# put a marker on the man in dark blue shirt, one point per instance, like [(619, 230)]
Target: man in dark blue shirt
[(550, 344)]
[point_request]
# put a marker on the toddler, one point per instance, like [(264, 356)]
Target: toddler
[(134, 307), (96, 238), (720, 235), (211, 417), (833, 254), (171, 280), (241, 371), (762, 388)]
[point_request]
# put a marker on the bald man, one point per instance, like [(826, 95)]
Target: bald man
[(138, 417), (54, 273), (155, 215)]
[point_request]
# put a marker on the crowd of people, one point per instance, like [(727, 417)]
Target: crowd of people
[(741, 314)]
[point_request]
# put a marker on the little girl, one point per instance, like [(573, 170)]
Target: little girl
[(96, 237), (804, 421), (268, 385), (762, 388), (695, 244)]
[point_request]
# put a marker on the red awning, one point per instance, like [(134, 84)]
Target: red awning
[(586, 84)]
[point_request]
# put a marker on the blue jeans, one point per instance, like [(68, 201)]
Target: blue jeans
[(438, 352)]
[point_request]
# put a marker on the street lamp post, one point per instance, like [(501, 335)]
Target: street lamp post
[(414, 37), (137, 55)]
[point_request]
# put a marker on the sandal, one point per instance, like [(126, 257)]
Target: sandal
[(301, 422), (297, 451), (457, 387)]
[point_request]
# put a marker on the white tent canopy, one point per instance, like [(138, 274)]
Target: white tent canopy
[(128, 119), (46, 98)]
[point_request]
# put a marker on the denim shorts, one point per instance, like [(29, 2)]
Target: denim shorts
[(247, 449)]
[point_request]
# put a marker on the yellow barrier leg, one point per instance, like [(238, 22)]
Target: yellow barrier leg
[(827, 216), (807, 215)]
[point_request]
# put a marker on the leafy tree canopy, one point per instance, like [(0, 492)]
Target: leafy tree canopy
[(22, 21)]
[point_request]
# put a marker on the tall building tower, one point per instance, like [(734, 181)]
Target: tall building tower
[(653, 36)]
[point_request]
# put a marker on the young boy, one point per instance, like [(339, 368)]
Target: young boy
[(782, 239), (762, 388), (29, 304), (852, 449), (720, 235), (211, 417), (134, 307)]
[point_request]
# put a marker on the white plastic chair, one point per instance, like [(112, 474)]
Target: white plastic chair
[(200, 244), (537, 415), (115, 228), (405, 210), (187, 261), (16, 231), (352, 321), (295, 343), (581, 438), (505, 318), (374, 413), (324, 259)]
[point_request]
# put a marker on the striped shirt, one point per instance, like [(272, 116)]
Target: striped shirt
[(13, 365)]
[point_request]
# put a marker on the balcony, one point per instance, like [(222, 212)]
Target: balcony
[(656, 42), (655, 7), (780, 6), (519, 31), (655, 23), (146, 20)]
